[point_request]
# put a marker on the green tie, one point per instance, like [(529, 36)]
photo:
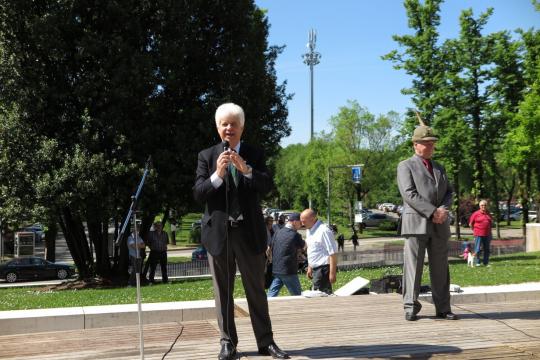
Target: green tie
[(234, 174)]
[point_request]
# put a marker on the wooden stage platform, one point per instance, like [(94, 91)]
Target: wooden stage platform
[(355, 327)]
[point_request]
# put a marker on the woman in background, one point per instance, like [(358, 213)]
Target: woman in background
[(480, 222)]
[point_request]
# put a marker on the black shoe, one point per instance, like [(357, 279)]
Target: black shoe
[(228, 352), (273, 351), (447, 315), (411, 317)]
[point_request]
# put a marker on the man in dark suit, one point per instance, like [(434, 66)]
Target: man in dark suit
[(427, 196), (231, 178)]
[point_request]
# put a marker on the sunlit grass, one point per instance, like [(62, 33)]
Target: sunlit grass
[(505, 269)]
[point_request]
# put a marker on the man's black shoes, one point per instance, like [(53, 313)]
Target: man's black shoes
[(273, 351), (411, 317), (228, 352), (447, 315)]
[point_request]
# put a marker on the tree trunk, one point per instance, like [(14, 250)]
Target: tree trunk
[(478, 174), (76, 241), (495, 192), (50, 241), (458, 210), (100, 240)]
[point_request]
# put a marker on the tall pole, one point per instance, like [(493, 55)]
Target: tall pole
[(311, 58), (328, 197)]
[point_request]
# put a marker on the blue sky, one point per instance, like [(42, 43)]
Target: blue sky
[(352, 35)]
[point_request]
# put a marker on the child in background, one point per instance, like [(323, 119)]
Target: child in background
[(466, 251)]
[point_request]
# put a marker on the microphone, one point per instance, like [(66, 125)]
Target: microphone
[(225, 145)]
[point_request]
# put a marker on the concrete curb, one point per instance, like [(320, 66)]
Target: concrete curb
[(489, 294), (88, 317)]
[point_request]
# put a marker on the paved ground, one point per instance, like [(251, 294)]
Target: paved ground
[(355, 327)]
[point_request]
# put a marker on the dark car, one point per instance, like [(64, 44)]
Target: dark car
[(37, 229), (199, 254), (374, 219), (34, 268)]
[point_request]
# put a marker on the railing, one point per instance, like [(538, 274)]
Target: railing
[(389, 254)]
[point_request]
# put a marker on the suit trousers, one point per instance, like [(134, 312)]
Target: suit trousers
[(251, 266), (413, 266)]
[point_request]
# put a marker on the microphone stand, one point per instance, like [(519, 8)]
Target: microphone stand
[(132, 213), (227, 241)]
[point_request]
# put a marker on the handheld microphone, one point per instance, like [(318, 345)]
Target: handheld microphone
[(225, 145)]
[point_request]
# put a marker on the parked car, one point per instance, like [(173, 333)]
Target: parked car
[(34, 268), (374, 219), (532, 216), (36, 229), (514, 216), (199, 253), (388, 207)]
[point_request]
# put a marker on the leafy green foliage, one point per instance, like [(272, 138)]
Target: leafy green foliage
[(90, 91), (357, 137)]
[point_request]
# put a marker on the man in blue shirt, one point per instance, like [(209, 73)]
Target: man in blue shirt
[(134, 243), (285, 245)]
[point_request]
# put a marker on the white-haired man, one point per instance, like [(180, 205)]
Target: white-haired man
[(231, 177)]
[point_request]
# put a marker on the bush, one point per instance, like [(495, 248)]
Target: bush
[(387, 225)]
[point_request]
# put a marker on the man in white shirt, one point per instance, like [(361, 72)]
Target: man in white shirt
[(321, 252)]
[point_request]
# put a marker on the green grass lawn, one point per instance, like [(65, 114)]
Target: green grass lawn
[(507, 269), (183, 228), (178, 259)]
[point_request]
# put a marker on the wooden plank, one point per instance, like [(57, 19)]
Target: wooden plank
[(356, 327)]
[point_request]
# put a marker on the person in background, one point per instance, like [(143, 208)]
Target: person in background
[(134, 244), (341, 242), (354, 239), (173, 232), (321, 252), (280, 223), (157, 241), (285, 245), (427, 196), (481, 222), (268, 277)]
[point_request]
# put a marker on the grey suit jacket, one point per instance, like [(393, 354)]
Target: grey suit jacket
[(422, 194)]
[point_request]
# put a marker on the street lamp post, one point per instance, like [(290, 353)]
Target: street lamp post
[(328, 189), (311, 58)]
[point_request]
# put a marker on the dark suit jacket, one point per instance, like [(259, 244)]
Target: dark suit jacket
[(214, 221), (422, 194)]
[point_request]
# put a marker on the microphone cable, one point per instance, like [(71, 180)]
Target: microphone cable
[(497, 320), (174, 343)]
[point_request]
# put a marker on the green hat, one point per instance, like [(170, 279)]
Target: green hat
[(424, 133)]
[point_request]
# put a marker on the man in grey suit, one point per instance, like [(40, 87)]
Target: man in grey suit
[(231, 179), (427, 196)]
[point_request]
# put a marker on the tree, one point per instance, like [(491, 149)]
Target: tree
[(99, 88), (421, 58), (357, 137)]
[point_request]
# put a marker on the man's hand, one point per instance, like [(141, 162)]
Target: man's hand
[(309, 272), (333, 268), (239, 163), (332, 277), (440, 215), (222, 163)]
